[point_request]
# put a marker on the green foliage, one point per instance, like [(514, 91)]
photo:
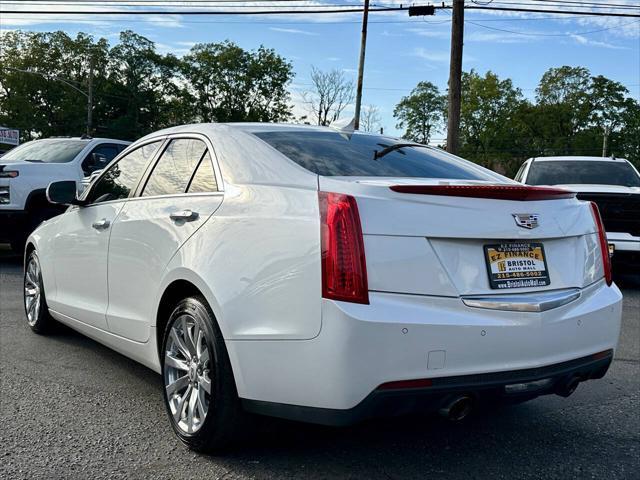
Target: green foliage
[(230, 84), (487, 118), (572, 113), (421, 112), (136, 89)]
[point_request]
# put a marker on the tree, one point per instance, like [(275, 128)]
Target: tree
[(607, 101), (370, 121), (487, 118), (231, 84), (42, 80), (331, 93), (420, 112)]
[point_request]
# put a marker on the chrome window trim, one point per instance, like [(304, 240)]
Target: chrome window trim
[(523, 302), (120, 156), (175, 136)]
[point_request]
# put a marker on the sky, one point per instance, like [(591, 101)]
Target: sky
[(401, 51)]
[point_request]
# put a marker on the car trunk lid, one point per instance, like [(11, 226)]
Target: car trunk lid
[(422, 237)]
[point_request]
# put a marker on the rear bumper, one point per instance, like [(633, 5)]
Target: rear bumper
[(482, 388), (404, 337)]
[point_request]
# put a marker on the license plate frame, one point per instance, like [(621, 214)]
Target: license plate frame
[(530, 271)]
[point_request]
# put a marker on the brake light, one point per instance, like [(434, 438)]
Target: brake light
[(344, 270), (9, 173), (604, 244), (497, 192)]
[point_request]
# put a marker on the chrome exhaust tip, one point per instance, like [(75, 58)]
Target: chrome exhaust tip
[(457, 409)]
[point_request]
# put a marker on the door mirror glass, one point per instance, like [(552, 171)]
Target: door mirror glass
[(62, 193)]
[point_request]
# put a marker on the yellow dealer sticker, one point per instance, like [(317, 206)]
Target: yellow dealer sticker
[(516, 265)]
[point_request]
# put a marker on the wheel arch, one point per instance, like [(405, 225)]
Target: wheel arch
[(182, 286)]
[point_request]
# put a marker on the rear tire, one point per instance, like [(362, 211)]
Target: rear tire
[(199, 389), (35, 302)]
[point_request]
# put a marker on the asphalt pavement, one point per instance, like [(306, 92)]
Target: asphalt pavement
[(71, 408)]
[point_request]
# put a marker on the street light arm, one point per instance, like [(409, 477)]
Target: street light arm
[(50, 77)]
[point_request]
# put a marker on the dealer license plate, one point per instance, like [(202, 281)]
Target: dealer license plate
[(516, 265)]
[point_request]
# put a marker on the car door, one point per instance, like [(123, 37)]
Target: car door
[(81, 244), (180, 193)]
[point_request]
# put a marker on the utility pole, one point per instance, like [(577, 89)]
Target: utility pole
[(90, 98), (363, 47), (455, 77), (604, 141)]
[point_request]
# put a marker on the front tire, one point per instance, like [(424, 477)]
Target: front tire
[(199, 389), (35, 302)]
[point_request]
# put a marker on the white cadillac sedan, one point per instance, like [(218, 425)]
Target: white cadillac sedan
[(323, 276)]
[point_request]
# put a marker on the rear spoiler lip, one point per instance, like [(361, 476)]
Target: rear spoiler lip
[(496, 192)]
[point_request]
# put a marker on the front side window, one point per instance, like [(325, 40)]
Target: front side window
[(571, 172), (337, 154), (51, 150), (100, 158), (174, 169), (122, 177)]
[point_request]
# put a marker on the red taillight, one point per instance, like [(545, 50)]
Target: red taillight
[(604, 244), (344, 270), (497, 192)]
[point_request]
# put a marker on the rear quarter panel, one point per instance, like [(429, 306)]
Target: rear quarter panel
[(259, 260)]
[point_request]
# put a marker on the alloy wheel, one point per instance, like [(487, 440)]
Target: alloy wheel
[(187, 367), (32, 290)]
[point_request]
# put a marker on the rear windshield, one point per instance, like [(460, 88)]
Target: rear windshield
[(57, 150), (338, 154), (582, 172)]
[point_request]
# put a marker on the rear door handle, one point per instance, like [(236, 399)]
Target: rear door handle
[(184, 215), (101, 224)]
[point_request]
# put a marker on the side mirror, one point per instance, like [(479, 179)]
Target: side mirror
[(62, 193)]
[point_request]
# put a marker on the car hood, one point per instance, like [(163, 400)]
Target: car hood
[(589, 188)]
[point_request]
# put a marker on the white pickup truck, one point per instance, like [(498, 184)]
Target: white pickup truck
[(613, 183), (26, 171)]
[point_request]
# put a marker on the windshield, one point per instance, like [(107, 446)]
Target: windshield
[(593, 172), (51, 150), (338, 154)]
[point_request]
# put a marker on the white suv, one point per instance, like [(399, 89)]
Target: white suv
[(26, 171)]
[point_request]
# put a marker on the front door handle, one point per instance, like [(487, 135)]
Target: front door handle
[(101, 224), (184, 216)]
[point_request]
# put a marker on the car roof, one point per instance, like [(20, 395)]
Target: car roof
[(250, 127), (81, 139), (570, 158)]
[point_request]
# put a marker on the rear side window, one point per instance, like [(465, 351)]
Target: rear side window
[(337, 154), (595, 172), (174, 169), (123, 176), (204, 180)]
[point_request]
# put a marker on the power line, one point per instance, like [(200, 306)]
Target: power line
[(562, 4), (561, 12), (310, 11), (535, 34), (621, 5)]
